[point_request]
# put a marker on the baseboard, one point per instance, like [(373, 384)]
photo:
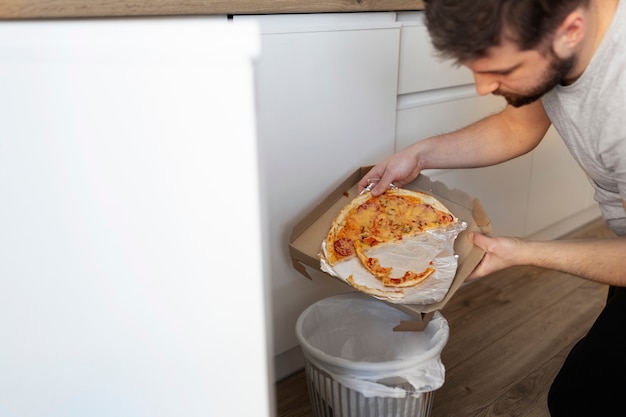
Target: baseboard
[(288, 363)]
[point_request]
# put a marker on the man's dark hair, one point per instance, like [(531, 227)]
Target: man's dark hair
[(464, 29)]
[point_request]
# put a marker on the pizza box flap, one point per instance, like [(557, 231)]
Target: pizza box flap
[(308, 234)]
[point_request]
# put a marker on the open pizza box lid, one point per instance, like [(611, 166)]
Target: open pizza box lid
[(308, 234)]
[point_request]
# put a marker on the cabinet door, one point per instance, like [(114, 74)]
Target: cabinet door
[(327, 90), (558, 186), (502, 189)]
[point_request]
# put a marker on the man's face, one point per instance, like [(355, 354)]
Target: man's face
[(521, 77), (555, 73)]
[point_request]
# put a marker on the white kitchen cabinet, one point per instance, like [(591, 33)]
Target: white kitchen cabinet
[(326, 94), (502, 189), (561, 196)]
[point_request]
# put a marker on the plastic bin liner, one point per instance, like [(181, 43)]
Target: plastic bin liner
[(350, 337)]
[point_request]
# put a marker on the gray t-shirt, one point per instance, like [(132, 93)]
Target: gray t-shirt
[(590, 116)]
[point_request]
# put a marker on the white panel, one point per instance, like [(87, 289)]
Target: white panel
[(124, 150), (559, 188), (420, 67), (326, 107)]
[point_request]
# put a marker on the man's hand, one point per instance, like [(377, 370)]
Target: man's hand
[(399, 169), (500, 253)]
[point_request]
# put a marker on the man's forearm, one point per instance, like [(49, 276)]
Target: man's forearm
[(600, 260), (489, 141)]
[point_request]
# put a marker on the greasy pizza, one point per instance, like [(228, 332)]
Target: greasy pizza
[(369, 222)]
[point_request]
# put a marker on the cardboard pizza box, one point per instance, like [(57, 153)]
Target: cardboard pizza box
[(308, 234)]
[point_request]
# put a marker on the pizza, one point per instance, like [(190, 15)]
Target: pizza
[(371, 223)]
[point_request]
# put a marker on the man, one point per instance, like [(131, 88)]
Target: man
[(560, 62)]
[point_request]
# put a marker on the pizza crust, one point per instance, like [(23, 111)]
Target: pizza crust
[(376, 292)]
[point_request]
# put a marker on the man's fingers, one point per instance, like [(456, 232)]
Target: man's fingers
[(480, 241)]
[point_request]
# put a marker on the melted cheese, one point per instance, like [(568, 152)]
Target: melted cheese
[(389, 218)]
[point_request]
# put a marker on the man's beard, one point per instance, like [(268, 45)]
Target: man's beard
[(557, 71)]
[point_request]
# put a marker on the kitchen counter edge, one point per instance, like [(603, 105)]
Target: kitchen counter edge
[(36, 9)]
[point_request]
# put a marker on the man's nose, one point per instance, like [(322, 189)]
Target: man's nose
[(485, 84)]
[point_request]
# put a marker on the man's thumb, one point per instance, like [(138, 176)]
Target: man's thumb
[(478, 239)]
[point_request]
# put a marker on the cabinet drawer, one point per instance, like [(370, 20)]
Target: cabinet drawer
[(433, 115), (420, 68)]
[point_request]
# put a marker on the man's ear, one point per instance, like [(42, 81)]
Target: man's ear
[(570, 33)]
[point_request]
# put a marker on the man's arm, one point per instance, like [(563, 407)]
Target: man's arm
[(494, 139), (600, 260)]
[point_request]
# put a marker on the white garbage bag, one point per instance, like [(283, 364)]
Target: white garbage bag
[(351, 338)]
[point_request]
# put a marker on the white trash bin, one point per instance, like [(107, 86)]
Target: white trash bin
[(356, 365)]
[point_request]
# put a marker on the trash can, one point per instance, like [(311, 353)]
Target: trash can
[(356, 365)]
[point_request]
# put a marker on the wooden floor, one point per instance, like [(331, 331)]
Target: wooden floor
[(509, 334)]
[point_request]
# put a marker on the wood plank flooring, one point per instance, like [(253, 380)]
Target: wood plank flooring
[(509, 334)]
